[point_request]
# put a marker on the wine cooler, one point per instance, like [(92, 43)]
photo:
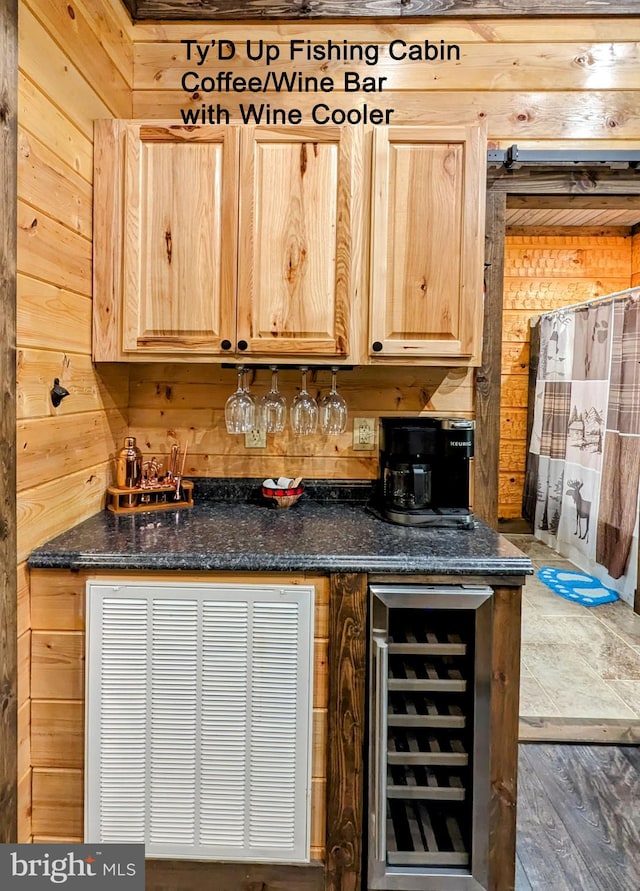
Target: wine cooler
[(428, 761)]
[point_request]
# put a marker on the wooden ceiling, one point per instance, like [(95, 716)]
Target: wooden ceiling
[(553, 211), (200, 10)]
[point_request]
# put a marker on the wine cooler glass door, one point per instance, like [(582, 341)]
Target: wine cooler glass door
[(429, 686)]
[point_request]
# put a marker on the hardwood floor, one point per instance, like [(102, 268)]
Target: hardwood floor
[(578, 818)]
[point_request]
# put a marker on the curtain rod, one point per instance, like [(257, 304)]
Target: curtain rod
[(591, 302)]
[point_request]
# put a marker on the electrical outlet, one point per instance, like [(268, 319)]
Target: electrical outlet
[(364, 434), (255, 439)]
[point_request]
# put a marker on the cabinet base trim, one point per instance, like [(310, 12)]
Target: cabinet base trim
[(198, 875)]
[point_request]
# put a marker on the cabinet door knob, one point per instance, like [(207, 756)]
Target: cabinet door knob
[(376, 346), (242, 344), (225, 344)]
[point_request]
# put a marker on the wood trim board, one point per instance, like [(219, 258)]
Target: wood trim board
[(193, 875), (345, 776), (505, 695), (394, 9), (550, 180), (596, 731), (8, 566), (488, 376)]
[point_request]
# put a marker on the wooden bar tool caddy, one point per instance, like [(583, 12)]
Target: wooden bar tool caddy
[(139, 487)]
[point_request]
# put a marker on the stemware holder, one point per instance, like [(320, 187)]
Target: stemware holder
[(286, 366)]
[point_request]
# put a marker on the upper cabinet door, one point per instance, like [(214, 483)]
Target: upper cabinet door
[(427, 250), (180, 238), (294, 259)]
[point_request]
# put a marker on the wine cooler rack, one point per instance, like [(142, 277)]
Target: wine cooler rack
[(428, 768)]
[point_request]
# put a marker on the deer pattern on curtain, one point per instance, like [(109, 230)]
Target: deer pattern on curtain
[(583, 467)]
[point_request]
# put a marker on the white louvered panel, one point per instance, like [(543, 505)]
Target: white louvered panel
[(123, 738), (274, 722), (225, 631), (174, 702), (199, 718)]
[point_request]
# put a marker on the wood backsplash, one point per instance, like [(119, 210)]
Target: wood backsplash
[(185, 403)]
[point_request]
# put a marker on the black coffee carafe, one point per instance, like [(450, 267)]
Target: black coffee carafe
[(408, 486)]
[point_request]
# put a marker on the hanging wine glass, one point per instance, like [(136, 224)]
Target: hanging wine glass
[(333, 409), (271, 410), (304, 410), (240, 407)]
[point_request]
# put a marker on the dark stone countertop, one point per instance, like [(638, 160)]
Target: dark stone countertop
[(315, 535)]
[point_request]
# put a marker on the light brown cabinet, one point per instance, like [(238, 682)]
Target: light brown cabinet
[(229, 241), (239, 242), (180, 237), (427, 250), (294, 274)]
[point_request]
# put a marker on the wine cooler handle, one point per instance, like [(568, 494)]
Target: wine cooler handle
[(380, 742)]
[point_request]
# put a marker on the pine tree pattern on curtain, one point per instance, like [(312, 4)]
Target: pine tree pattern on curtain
[(583, 467)]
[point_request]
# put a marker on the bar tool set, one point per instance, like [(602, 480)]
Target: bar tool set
[(142, 486)]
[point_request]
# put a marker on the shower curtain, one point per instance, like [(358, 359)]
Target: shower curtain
[(583, 467)]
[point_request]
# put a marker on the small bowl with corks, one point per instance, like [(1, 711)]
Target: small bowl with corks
[(283, 492)]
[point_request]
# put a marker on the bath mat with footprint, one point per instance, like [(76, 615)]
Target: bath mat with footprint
[(576, 586)]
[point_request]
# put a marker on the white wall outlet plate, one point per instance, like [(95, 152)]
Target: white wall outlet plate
[(255, 439), (364, 434)]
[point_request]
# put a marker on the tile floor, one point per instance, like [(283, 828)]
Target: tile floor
[(577, 661)]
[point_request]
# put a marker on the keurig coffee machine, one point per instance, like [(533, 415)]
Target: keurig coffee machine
[(424, 471)]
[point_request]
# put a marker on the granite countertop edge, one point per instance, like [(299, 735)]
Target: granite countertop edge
[(279, 563)]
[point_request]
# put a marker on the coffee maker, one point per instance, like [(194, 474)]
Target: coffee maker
[(424, 471)]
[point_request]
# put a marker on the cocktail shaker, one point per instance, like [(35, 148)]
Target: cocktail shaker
[(129, 467)]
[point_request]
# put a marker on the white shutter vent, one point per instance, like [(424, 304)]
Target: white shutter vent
[(199, 719)]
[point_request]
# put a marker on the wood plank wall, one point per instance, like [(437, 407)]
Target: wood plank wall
[(57, 704), (185, 403), (545, 272), (75, 65), (635, 260), (534, 80)]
